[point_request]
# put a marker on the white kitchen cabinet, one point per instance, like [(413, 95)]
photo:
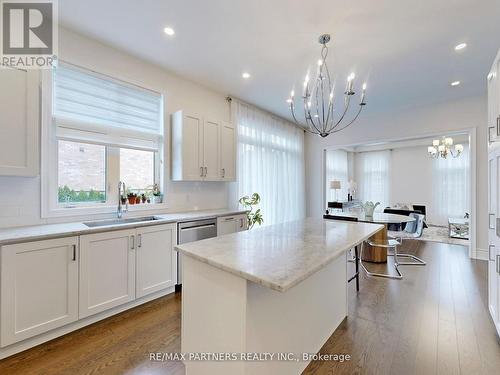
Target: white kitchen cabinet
[(107, 270), (156, 259), (211, 149), (19, 122), (493, 105), (39, 287), (203, 149), (187, 147), (227, 225), (231, 224), (494, 193), (228, 152)]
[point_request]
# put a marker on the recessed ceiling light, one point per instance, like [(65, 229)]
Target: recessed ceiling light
[(246, 75), (169, 31), (455, 83), (460, 46)]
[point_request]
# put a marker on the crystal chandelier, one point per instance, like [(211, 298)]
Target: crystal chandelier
[(318, 99), (443, 148)]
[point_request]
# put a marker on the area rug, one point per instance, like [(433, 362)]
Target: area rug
[(433, 233)]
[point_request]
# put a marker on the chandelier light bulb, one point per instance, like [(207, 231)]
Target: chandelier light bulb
[(289, 100), (435, 142), (364, 86)]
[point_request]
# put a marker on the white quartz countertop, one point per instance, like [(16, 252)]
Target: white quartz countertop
[(46, 231), (280, 256)]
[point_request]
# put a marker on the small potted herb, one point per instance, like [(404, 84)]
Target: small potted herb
[(131, 198), (137, 199), (143, 198), (157, 195)]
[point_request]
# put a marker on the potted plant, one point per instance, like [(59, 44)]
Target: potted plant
[(157, 195), (137, 199), (143, 198), (248, 203), (131, 198), (123, 199)]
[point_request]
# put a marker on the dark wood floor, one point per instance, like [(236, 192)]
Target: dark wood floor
[(434, 321)]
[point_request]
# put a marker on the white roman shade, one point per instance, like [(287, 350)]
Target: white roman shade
[(93, 108)]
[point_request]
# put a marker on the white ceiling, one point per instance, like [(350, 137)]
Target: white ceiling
[(404, 49)]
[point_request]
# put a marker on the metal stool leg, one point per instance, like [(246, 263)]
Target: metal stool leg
[(399, 276), (418, 261), (356, 274)]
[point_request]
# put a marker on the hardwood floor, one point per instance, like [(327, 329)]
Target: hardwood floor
[(434, 321)]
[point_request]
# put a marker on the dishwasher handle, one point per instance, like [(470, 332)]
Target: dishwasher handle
[(198, 227)]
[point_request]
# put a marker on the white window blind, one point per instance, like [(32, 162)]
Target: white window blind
[(93, 108)]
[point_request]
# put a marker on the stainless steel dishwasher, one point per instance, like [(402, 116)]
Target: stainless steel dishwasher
[(190, 231)]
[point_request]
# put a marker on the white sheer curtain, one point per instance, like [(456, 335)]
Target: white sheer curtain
[(336, 168), (271, 163), (373, 177), (450, 188)]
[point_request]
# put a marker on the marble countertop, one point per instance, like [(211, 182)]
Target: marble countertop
[(280, 256), (379, 218), (46, 231)]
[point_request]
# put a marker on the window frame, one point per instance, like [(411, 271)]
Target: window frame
[(50, 206)]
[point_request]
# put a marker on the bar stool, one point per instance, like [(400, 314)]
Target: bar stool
[(388, 244)]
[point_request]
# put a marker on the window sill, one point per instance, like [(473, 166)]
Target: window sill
[(101, 210)]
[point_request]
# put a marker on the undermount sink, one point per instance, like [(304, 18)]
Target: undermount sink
[(104, 223)]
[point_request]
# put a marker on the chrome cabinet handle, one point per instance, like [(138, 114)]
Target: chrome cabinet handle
[(74, 253), (206, 171), (132, 242), (489, 133), (489, 221), (223, 172), (489, 252), (201, 171), (241, 223), (498, 264), (229, 219), (139, 240), (498, 126)]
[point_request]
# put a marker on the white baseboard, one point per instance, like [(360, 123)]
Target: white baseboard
[(481, 254)]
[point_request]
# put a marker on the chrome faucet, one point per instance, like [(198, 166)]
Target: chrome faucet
[(121, 210)]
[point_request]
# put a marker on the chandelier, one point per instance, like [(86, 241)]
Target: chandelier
[(443, 148), (318, 98)]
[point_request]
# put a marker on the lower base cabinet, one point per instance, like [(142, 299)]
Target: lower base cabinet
[(231, 224), (156, 262), (39, 288), (107, 271)]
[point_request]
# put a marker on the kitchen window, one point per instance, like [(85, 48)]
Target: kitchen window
[(98, 131)]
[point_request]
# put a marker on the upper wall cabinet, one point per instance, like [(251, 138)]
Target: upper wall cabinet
[(203, 149), (494, 103), (19, 119)]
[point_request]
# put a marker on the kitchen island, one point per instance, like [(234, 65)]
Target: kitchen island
[(276, 289)]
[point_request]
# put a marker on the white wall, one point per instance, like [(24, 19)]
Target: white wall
[(412, 122), (20, 197), (411, 177)]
